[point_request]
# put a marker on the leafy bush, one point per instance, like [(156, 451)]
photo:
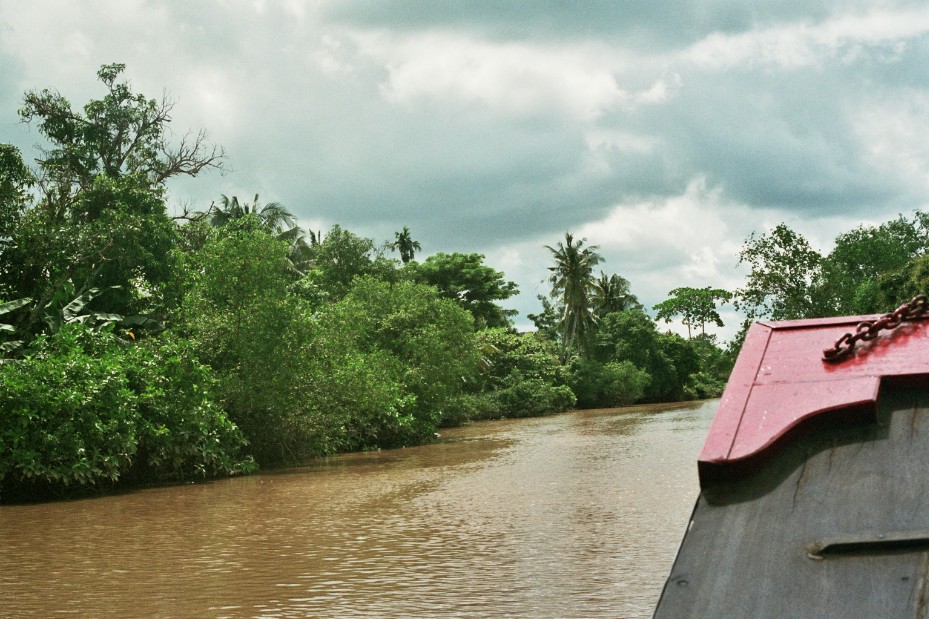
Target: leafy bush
[(355, 399), (703, 385), (522, 398), (421, 343), (182, 430), (607, 384), (632, 336), (715, 366), (244, 325), (468, 407), (526, 355), (531, 397), (84, 408), (521, 377), (70, 415)]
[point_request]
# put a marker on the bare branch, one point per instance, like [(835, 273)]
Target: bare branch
[(190, 157)]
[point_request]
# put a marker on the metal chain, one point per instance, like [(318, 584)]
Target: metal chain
[(869, 329)]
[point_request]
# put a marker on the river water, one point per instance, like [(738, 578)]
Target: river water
[(574, 515)]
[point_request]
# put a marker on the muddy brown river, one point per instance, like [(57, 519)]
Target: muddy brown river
[(575, 515)]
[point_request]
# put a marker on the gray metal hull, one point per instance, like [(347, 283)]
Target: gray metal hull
[(836, 524)]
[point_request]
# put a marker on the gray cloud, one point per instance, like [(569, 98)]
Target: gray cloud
[(496, 127), (639, 23)]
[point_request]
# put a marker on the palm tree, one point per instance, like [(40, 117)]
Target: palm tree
[(299, 251), (274, 216), (611, 294), (573, 283), (405, 244)]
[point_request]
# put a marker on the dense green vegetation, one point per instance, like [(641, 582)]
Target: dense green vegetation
[(871, 269), (139, 347)]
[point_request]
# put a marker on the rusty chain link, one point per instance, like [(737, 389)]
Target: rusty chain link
[(870, 329)]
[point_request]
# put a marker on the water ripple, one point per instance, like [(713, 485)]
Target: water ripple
[(576, 515)]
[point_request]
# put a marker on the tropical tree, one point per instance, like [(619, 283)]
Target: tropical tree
[(99, 219), (614, 383), (695, 306), (15, 180), (83, 409), (611, 294), (405, 244), (900, 286), (782, 281), (471, 283), (274, 216), (340, 257), (121, 134), (632, 336), (424, 344), (243, 323), (869, 259), (572, 283), (548, 321)]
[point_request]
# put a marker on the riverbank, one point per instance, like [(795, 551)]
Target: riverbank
[(38, 492)]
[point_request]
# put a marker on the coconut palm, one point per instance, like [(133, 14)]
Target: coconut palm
[(299, 251), (611, 294), (405, 244), (573, 284), (274, 216)]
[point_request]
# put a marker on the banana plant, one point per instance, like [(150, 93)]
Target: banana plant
[(5, 308), (74, 313), (67, 308)]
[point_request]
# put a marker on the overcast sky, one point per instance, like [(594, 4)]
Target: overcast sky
[(663, 131)]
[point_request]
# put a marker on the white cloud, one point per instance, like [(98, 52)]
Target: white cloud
[(621, 140), (512, 77), (895, 133), (209, 98), (804, 44), (691, 239), (331, 58), (639, 223)]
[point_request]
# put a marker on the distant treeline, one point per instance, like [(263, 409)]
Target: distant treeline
[(143, 347)]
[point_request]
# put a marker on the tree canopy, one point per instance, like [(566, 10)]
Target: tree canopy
[(612, 294), (870, 269), (273, 216), (124, 133), (475, 286), (695, 306), (784, 271), (341, 257), (15, 181), (869, 258)]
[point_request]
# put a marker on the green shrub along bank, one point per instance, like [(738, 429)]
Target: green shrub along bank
[(84, 408), (140, 347)]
